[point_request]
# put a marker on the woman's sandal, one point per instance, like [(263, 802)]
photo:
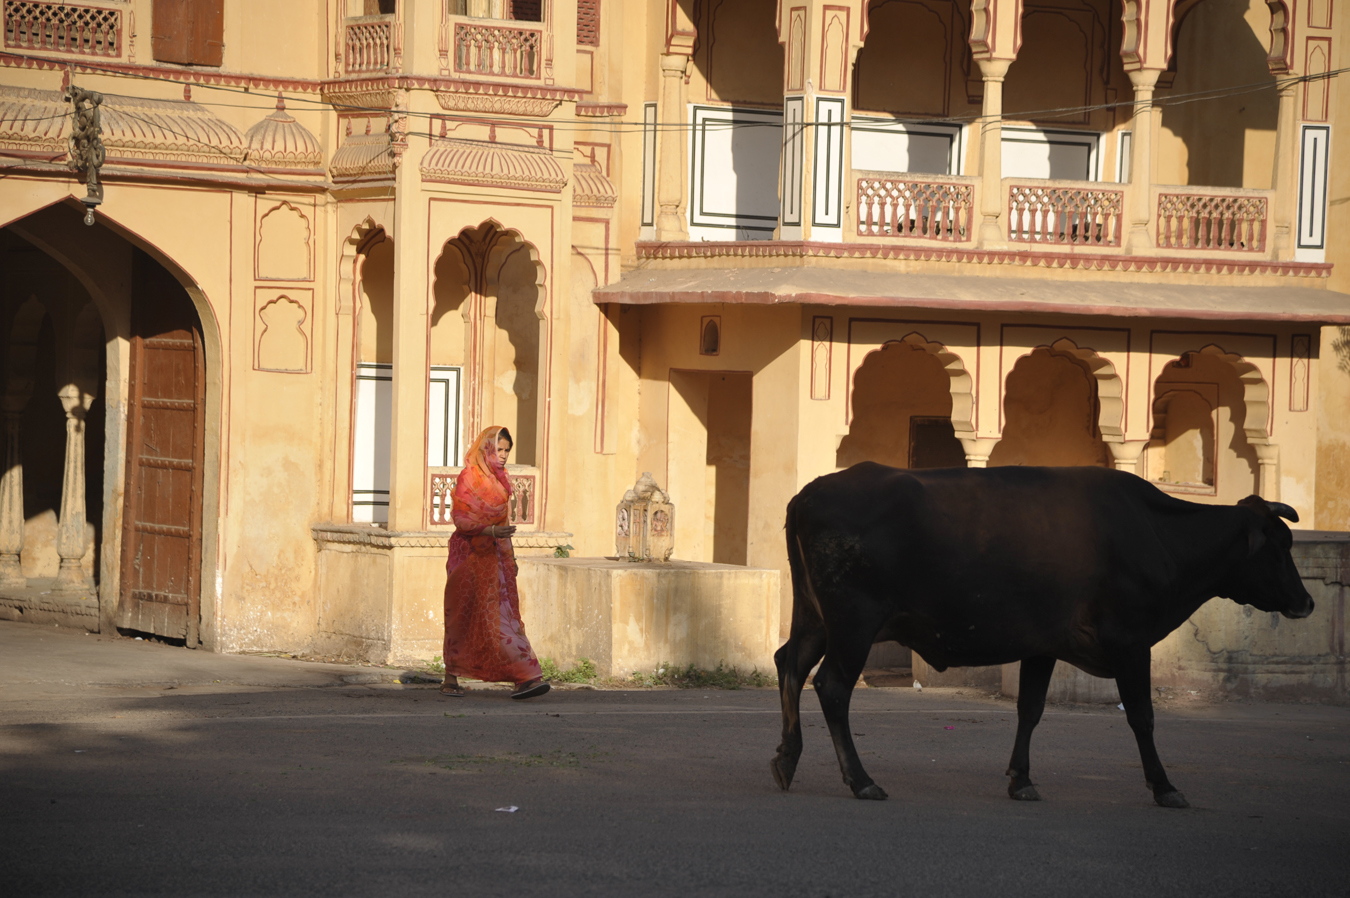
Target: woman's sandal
[(531, 688), (452, 691)]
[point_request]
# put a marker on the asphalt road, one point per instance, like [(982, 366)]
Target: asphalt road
[(129, 769)]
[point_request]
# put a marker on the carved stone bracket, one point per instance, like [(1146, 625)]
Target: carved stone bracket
[(86, 145)]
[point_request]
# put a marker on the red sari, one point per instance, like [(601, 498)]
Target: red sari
[(484, 636)]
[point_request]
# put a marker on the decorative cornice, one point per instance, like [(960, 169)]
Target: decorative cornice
[(601, 110), (187, 75), (33, 123), (591, 188), (454, 94), (488, 164), (793, 249)]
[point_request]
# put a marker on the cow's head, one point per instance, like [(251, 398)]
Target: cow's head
[(1267, 577)]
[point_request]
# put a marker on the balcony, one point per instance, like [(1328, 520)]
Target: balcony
[(1064, 214), (914, 208), (89, 31), (496, 51), (369, 44), (1211, 219)]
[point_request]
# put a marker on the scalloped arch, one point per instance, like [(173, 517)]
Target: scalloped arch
[(960, 383)]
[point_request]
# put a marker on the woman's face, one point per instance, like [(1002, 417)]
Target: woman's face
[(503, 450)]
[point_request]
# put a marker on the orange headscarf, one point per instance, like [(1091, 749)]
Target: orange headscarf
[(482, 490)]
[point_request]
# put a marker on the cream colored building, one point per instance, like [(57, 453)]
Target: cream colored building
[(735, 243)]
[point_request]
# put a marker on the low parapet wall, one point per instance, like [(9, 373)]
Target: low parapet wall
[(629, 617)]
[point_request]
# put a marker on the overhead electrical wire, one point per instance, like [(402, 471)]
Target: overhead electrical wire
[(619, 127)]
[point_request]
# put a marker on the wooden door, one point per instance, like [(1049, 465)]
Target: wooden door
[(162, 515)]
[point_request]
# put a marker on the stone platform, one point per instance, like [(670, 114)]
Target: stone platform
[(40, 603), (629, 617)]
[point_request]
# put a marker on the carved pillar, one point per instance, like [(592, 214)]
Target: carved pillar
[(70, 576), (11, 507), (978, 451), (1284, 178), (670, 168), (1268, 482), (992, 71), (1140, 190), (1125, 456)]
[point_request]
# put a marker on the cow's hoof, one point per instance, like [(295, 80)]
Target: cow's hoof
[(1026, 793), (1173, 799), (871, 792), (782, 772)]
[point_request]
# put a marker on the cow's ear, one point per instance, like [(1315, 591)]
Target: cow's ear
[(1256, 538)]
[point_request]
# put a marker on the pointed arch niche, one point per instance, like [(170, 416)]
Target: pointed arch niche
[(488, 318), (910, 397), (1211, 431)]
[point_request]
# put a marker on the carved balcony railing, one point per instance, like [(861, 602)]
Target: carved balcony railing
[(521, 509), (1060, 213), (509, 52), (1235, 221), (370, 42), (892, 205), (63, 28)]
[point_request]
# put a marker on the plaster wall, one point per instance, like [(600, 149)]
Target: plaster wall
[(631, 618)]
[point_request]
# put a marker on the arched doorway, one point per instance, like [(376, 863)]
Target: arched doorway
[(114, 320)]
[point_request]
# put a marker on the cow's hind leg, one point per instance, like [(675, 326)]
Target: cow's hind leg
[(1134, 683), (1032, 684), (794, 660), (834, 682)]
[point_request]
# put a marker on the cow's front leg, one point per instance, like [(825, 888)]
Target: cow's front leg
[(1032, 683), (1134, 684), (834, 682)]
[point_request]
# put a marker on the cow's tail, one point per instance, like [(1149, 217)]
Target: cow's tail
[(806, 613)]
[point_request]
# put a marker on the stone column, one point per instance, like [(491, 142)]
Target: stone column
[(11, 508), (978, 451), (992, 201), (1284, 177), (1125, 456), (1139, 193), (70, 576), (1268, 481), (670, 156)]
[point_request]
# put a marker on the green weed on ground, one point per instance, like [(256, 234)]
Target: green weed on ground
[(689, 677)]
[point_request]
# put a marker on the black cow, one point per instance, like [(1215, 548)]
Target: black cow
[(989, 566)]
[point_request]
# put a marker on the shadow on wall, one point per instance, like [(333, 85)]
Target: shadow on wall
[(1341, 346), (1217, 48), (902, 409), (1050, 414)]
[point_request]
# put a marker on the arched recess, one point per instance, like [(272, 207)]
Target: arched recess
[(498, 281), (104, 259), (1110, 388), (960, 383), (364, 380), (1255, 393), (1252, 443), (1050, 407)]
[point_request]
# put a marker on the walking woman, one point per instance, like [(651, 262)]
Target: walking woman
[(484, 636)]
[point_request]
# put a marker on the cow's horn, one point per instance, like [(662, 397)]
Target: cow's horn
[(1285, 511)]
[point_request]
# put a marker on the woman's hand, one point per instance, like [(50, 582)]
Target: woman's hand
[(499, 531)]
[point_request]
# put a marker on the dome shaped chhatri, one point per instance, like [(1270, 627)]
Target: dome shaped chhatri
[(279, 141)]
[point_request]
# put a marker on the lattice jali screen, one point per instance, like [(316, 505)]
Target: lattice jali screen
[(62, 28), (588, 22)]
